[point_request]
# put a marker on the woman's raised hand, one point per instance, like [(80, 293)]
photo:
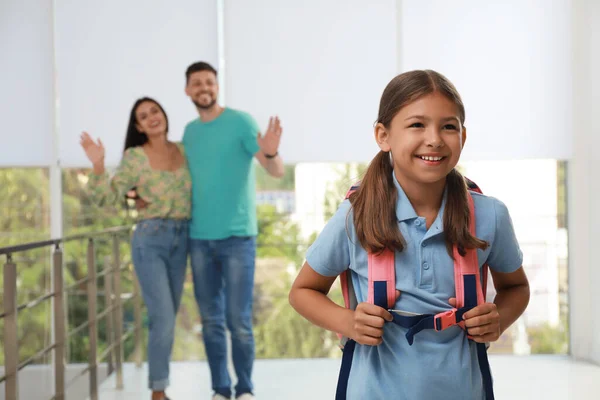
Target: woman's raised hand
[(93, 150)]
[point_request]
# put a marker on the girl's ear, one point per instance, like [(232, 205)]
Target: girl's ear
[(464, 136), (139, 128), (381, 137)]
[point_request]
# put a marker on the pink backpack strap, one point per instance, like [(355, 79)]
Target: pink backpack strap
[(469, 291), (382, 279), (485, 269)]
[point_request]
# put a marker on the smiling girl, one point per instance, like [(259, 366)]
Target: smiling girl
[(413, 203)]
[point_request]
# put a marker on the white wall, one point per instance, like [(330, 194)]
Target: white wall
[(321, 65), (584, 184), (510, 61), (111, 53), (594, 139), (26, 83)]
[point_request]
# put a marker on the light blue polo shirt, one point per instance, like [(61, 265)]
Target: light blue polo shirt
[(439, 365), (220, 156)]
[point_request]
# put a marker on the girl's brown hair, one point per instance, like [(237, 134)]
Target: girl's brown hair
[(374, 203)]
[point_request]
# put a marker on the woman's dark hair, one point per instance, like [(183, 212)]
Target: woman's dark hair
[(134, 137), (374, 203)]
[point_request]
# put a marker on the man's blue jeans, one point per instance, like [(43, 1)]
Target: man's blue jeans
[(159, 250), (223, 272)]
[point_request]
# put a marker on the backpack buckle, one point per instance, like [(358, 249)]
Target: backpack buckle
[(444, 320)]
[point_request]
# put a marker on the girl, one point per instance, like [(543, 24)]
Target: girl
[(157, 169), (413, 201)]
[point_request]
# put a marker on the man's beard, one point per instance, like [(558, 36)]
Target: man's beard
[(205, 106)]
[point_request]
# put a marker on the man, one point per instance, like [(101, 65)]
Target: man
[(220, 147)]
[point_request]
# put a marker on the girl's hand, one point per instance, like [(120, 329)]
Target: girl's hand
[(367, 327), (482, 322), (93, 150), (368, 322)]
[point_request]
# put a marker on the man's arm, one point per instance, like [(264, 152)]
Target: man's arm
[(273, 165), (268, 155)]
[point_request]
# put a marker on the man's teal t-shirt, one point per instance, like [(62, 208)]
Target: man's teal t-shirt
[(220, 157)]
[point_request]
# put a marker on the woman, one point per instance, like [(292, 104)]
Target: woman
[(157, 168)]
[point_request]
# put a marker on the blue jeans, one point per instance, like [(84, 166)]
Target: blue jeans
[(223, 272), (159, 249)]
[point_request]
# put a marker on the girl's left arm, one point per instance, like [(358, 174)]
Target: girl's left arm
[(512, 296), (486, 322)]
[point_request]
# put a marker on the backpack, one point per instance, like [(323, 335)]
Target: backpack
[(470, 292)]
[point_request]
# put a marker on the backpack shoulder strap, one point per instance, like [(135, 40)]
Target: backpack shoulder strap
[(473, 187), (382, 278), (480, 293), (470, 290), (467, 280)]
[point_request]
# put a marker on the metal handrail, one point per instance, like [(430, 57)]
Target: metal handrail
[(55, 242), (112, 312), (31, 303)]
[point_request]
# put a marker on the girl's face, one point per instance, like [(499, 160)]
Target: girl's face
[(425, 139), (150, 119)]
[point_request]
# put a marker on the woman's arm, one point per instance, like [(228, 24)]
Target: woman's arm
[(104, 190)]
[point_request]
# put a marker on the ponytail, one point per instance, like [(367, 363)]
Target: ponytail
[(374, 206), (457, 217)]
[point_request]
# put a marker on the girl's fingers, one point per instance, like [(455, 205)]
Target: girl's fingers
[(365, 330)]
